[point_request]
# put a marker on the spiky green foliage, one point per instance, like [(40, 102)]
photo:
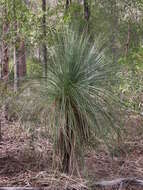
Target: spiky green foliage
[(77, 91), (76, 96)]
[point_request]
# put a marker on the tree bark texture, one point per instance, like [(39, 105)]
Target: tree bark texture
[(65, 148), (5, 53), (68, 2), (21, 58), (44, 47), (19, 61), (0, 130), (86, 10)]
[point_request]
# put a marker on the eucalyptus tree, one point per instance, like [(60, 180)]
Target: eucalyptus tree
[(4, 45), (121, 23), (18, 16), (44, 46), (21, 29)]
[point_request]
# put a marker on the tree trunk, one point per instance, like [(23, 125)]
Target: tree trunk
[(15, 69), (0, 131), (0, 60), (65, 147), (67, 144), (44, 47), (68, 2), (86, 10), (15, 49), (2, 120), (114, 30), (19, 54), (128, 40), (4, 63), (21, 58), (19, 61), (5, 53)]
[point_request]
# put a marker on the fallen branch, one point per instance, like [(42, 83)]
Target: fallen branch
[(117, 182)]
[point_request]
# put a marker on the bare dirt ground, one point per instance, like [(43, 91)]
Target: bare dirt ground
[(23, 163)]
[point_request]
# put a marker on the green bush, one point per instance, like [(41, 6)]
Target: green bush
[(131, 86), (34, 68)]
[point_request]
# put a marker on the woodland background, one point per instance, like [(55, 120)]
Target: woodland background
[(71, 93)]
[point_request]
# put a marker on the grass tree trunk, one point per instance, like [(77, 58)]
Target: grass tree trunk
[(66, 155), (65, 147), (67, 141), (44, 47)]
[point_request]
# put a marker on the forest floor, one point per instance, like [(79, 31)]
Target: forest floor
[(24, 163)]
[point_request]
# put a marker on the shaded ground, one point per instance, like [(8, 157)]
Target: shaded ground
[(23, 163), (125, 160)]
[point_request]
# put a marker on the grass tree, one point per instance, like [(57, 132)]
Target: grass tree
[(77, 96)]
